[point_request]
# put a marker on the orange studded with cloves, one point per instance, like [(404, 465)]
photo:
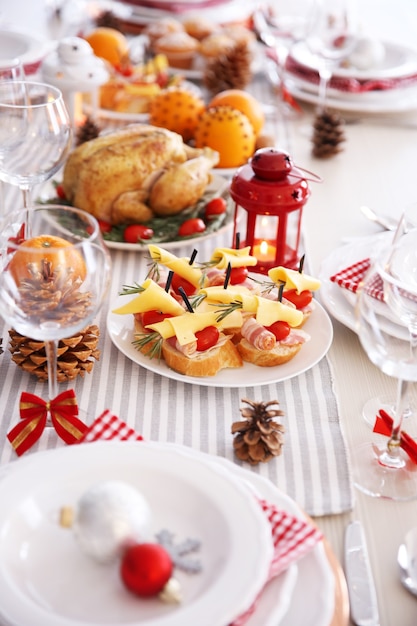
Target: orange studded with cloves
[(228, 131), (178, 110)]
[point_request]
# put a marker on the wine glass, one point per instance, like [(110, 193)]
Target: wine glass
[(331, 38), (54, 275), (388, 332), (35, 134), (279, 27), (9, 70)]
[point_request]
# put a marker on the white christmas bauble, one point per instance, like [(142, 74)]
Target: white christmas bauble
[(108, 517)]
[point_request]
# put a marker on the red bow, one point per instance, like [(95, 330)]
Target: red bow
[(384, 426), (33, 413)]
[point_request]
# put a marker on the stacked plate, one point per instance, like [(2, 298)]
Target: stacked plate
[(389, 84), (46, 580)]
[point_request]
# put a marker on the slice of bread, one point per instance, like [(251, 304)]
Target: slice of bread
[(282, 353), (204, 363)]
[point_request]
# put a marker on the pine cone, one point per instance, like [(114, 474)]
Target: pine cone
[(88, 130), (50, 295), (328, 134), (231, 70), (259, 438), (76, 354)]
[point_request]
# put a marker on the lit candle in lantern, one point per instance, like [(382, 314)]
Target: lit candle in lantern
[(264, 251)]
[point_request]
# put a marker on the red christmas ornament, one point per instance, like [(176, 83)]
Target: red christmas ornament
[(146, 568)]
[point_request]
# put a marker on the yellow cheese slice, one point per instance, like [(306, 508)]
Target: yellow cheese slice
[(293, 279), (221, 258), (270, 311), (266, 311), (184, 326), (154, 297), (178, 265)]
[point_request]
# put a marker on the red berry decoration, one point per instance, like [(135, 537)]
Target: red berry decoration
[(146, 568)]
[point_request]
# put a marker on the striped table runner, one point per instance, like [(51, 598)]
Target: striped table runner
[(313, 468)]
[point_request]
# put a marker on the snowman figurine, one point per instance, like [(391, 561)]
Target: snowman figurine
[(74, 68)]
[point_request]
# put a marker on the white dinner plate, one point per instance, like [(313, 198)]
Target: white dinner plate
[(339, 301), (304, 594), (217, 187), (398, 61), (384, 101), (318, 326), (311, 601), (46, 579), (28, 49)]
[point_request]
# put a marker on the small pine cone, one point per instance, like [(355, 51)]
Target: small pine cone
[(231, 70), (258, 438), (328, 135), (88, 130), (109, 20), (76, 354)]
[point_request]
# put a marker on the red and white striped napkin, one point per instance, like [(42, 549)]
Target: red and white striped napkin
[(351, 276), (349, 84), (292, 537)]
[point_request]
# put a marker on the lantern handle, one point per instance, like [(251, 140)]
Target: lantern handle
[(315, 178)]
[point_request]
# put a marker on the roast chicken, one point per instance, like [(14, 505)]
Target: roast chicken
[(132, 174)]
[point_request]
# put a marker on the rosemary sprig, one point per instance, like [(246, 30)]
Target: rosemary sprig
[(153, 340), (224, 309), (128, 290)]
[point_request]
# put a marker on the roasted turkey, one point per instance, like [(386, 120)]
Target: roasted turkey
[(132, 174)]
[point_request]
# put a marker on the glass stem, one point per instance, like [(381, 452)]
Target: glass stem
[(51, 349), (26, 194), (325, 76)]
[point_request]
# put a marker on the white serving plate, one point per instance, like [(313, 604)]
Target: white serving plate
[(319, 327), (46, 580), (217, 187)]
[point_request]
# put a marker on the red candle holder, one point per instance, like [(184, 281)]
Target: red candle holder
[(269, 194)]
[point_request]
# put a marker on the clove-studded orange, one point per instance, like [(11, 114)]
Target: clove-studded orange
[(61, 257)]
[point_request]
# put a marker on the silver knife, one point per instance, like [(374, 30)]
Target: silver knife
[(362, 594)]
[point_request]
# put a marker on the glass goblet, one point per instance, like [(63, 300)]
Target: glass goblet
[(35, 134), (54, 280), (388, 333), (330, 38)]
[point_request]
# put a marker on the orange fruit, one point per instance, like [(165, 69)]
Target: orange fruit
[(178, 110), (244, 102), (228, 131), (30, 256), (109, 44)]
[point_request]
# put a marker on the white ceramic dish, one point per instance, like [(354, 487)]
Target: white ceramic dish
[(46, 580), (301, 595), (217, 187), (387, 101), (28, 49), (319, 327), (398, 61)]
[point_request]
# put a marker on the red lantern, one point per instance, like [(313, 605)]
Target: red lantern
[(269, 194)]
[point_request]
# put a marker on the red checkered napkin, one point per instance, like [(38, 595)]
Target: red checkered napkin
[(108, 426), (292, 537), (351, 276)]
